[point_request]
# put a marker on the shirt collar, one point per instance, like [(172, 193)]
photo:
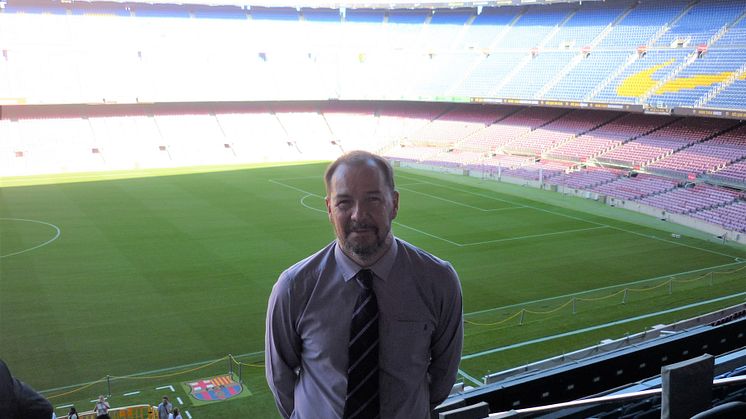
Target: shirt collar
[(381, 268)]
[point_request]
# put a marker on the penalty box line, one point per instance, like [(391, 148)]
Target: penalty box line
[(461, 204)]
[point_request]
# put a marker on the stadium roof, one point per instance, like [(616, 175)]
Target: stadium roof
[(378, 4)]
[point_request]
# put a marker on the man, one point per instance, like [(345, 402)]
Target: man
[(315, 308), (18, 400), (164, 408)]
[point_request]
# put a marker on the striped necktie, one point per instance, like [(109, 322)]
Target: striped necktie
[(362, 399)]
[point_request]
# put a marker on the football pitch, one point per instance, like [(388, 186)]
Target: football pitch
[(136, 283)]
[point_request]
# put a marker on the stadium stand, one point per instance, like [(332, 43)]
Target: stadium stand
[(512, 127), (608, 137), (635, 187), (642, 75), (534, 24), (455, 158), (590, 71), (588, 178), (485, 75), (586, 24), (557, 132), (608, 372), (701, 22), (564, 51), (731, 216), (734, 174), (664, 141), (498, 162), (641, 23), (451, 127), (686, 200), (704, 157), (486, 27), (539, 171), (696, 80)]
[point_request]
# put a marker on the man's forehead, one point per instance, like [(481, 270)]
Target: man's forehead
[(365, 175)]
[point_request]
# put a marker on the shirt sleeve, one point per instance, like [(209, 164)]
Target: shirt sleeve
[(445, 349), (32, 405), (282, 347)]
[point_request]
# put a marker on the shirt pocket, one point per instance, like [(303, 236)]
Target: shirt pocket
[(408, 346)]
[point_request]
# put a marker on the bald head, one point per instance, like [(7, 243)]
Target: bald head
[(358, 158)]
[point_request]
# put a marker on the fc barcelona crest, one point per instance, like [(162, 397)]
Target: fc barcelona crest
[(215, 389)]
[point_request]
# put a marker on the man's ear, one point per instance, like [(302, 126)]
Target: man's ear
[(328, 207), (395, 202)]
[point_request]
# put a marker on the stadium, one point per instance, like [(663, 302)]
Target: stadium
[(581, 164)]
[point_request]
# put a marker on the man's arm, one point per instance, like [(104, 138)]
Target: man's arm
[(282, 347), (445, 348), (18, 398)]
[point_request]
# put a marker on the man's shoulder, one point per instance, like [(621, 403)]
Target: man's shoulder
[(420, 257), (310, 266)]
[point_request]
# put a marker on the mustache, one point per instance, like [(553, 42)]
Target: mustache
[(360, 226)]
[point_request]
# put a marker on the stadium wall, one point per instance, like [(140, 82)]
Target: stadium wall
[(682, 219)]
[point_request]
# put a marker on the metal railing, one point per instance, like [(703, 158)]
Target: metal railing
[(604, 399)]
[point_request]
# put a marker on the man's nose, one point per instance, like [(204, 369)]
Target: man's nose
[(358, 210)]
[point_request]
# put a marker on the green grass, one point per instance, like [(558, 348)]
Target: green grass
[(153, 276)]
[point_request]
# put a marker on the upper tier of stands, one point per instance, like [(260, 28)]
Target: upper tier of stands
[(692, 53)]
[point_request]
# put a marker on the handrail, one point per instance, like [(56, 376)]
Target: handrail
[(142, 411), (605, 399)]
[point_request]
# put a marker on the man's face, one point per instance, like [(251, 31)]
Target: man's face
[(361, 207)]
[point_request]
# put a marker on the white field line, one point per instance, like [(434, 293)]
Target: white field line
[(674, 242), (578, 219), (600, 326), (626, 284), (470, 378), (56, 236), (303, 202), (296, 178), (428, 234), (493, 198), (533, 236), (461, 204), (189, 415), (178, 399), (409, 184), (294, 188)]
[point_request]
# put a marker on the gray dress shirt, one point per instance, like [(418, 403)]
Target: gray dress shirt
[(308, 327)]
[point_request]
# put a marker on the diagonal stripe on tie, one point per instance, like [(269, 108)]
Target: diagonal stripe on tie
[(362, 399)]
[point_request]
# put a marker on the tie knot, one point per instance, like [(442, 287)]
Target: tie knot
[(365, 278)]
